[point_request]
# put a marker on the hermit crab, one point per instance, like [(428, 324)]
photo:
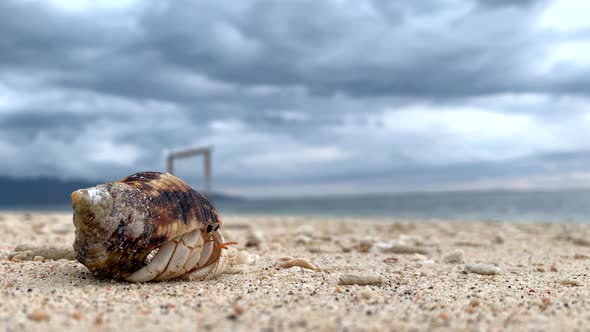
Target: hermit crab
[(147, 226)]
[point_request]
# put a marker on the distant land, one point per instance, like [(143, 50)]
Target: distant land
[(51, 192)]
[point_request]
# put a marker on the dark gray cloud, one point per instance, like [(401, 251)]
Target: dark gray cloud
[(326, 47), (332, 47), (349, 95), (23, 128)]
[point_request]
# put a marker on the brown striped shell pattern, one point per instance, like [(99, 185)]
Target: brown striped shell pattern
[(147, 226)]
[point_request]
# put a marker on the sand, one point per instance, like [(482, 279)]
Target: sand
[(537, 278)]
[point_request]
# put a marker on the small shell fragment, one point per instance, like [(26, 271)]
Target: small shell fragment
[(455, 256), (483, 269), (300, 262), (570, 282), (361, 280)]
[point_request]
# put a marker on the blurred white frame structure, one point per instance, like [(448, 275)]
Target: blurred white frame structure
[(191, 152)]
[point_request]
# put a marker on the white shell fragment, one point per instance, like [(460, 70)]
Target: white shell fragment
[(484, 269)]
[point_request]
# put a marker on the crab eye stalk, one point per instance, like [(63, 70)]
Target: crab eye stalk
[(209, 228)]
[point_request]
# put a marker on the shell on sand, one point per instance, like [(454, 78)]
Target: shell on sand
[(120, 225)]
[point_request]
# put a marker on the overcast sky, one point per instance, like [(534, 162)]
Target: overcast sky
[(300, 97)]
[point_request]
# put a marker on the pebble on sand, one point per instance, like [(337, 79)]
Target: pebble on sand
[(429, 262), (243, 257), (391, 260), (474, 303), (28, 252), (498, 239), (484, 269), (365, 246), (254, 239), (305, 229), (418, 258), (545, 303), (398, 248), (303, 239), (76, 315), (455, 256), (21, 255), (581, 241), (366, 294), (235, 259), (239, 309), (38, 316), (361, 280)]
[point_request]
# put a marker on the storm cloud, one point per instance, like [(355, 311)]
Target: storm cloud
[(300, 97)]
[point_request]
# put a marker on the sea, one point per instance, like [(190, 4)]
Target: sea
[(514, 206)]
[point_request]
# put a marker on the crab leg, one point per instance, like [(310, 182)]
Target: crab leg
[(205, 253), (156, 265), (190, 243), (213, 269), (193, 258), (210, 270), (173, 259), (182, 255)]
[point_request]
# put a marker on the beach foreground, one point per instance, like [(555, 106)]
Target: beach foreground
[(423, 275)]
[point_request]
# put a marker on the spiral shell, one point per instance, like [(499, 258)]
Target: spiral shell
[(122, 225)]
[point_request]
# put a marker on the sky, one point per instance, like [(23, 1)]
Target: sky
[(300, 97)]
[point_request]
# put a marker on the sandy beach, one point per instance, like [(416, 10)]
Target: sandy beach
[(421, 275)]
